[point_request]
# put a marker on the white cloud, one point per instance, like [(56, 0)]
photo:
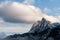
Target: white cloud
[(14, 29), (58, 17), (47, 10), (52, 19), (1, 20), (10, 28), (21, 13), (29, 2)]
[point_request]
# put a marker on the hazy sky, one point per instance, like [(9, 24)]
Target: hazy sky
[(19, 15)]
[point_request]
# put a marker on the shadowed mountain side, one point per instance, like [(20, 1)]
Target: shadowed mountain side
[(41, 30)]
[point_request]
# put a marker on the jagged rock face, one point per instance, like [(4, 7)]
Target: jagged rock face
[(40, 26), (41, 30)]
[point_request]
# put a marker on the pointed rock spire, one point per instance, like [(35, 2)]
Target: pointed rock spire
[(40, 26)]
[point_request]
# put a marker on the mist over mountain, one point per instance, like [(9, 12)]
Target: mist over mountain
[(2, 35), (41, 30)]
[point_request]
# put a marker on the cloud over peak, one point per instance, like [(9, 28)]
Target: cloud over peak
[(21, 13), (17, 12)]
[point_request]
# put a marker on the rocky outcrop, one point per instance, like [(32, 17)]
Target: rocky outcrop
[(40, 26)]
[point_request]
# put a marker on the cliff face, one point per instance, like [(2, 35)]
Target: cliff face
[(41, 30)]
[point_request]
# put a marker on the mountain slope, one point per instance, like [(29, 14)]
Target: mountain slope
[(41, 30)]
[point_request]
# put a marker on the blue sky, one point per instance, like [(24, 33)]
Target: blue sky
[(15, 14), (50, 4)]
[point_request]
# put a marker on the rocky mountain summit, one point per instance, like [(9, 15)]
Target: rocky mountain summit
[(41, 30)]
